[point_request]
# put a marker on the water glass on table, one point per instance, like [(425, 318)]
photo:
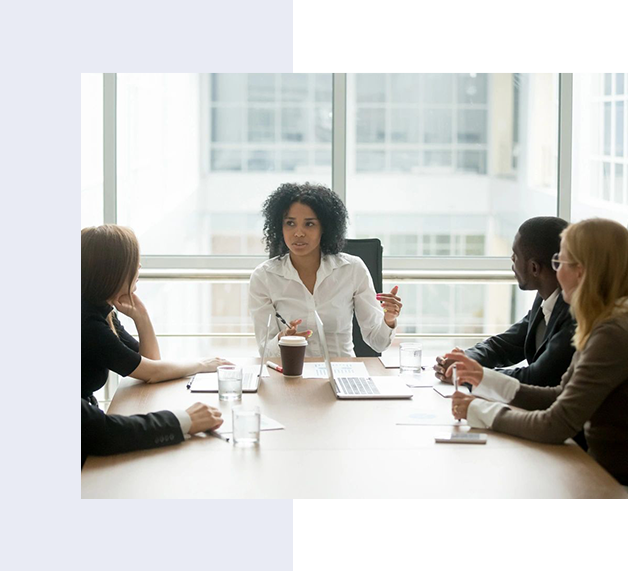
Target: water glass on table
[(246, 425), (410, 354), (229, 382)]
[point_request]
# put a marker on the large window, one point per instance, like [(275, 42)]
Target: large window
[(443, 168), (409, 122), (263, 122), (450, 164), (199, 153), (600, 152), (91, 149)]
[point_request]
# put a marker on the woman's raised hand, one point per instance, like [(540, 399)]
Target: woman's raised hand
[(392, 305), (292, 330), (131, 306)]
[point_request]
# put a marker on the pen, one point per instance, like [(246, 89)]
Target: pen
[(218, 435), (455, 375), (275, 367), (189, 385), (282, 319)]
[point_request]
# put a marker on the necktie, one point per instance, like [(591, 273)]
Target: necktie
[(540, 331)]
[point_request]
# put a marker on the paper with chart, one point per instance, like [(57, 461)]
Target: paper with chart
[(266, 423), (349, 369)]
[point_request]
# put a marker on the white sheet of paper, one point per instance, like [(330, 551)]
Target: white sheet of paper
[(390, 358), (446, 390), (208, 382), (319, 370), (266, 423), (425, 416)]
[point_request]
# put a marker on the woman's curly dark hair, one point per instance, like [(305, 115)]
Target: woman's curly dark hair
[(326, 204)]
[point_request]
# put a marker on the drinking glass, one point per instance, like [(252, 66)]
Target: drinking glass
[(246, 425), (229, 383)]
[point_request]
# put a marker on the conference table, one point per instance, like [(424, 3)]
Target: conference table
[(334, 448)]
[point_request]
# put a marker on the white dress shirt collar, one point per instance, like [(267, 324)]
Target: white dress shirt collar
[(548, 305)]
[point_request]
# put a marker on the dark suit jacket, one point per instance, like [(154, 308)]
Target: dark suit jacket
[(103, 434), (546, 365)]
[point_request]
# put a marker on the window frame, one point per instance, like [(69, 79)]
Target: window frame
[(406, 267)]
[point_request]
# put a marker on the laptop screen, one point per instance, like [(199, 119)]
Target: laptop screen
[(321, 334), (261, 366)]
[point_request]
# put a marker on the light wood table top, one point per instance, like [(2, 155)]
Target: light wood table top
[(336, 449)]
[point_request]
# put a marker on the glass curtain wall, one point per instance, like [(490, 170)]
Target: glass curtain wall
[(438, 166)]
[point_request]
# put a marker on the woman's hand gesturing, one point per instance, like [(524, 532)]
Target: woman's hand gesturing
[(292, 330), (392, 305)]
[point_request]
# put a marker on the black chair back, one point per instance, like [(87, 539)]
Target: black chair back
[(370, 251)]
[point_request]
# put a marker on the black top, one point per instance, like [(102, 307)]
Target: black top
[(103, 434), (101, 350), (547, 363)]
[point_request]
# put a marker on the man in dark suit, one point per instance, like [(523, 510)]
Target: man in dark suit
[(543, 336), (103, 434)]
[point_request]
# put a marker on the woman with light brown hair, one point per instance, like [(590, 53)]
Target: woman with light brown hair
[(592, 269), (110, 263)]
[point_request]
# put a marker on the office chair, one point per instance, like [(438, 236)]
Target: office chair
[(370, 251)]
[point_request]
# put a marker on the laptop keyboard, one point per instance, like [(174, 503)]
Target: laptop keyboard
[(357, 386), (249, 380)]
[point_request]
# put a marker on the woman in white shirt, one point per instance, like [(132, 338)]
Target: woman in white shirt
[(304, 230)]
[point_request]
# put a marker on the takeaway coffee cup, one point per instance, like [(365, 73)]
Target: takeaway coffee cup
[(292, 348)]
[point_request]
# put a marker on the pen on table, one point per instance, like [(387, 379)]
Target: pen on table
[(282, 319), (274, 366), (455, 376), (189, 384), (218, 435)]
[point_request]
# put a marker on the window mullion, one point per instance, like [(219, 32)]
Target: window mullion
[(110, 197), (339, 136), (565, 136)]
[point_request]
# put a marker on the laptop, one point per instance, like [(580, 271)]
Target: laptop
[(251, 374), (361, 387)]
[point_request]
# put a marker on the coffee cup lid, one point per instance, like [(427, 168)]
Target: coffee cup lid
[(293, 341)]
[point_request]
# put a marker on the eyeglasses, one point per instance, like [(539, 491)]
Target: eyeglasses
[(556, 262)]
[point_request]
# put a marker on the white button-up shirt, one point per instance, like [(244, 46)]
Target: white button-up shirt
[(343, 285), (547, 306)]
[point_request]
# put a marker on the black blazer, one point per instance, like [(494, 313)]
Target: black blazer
[(103, 434), (546, 365)]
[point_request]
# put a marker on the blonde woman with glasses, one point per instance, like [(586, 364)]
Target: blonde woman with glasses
[(592, 269)]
